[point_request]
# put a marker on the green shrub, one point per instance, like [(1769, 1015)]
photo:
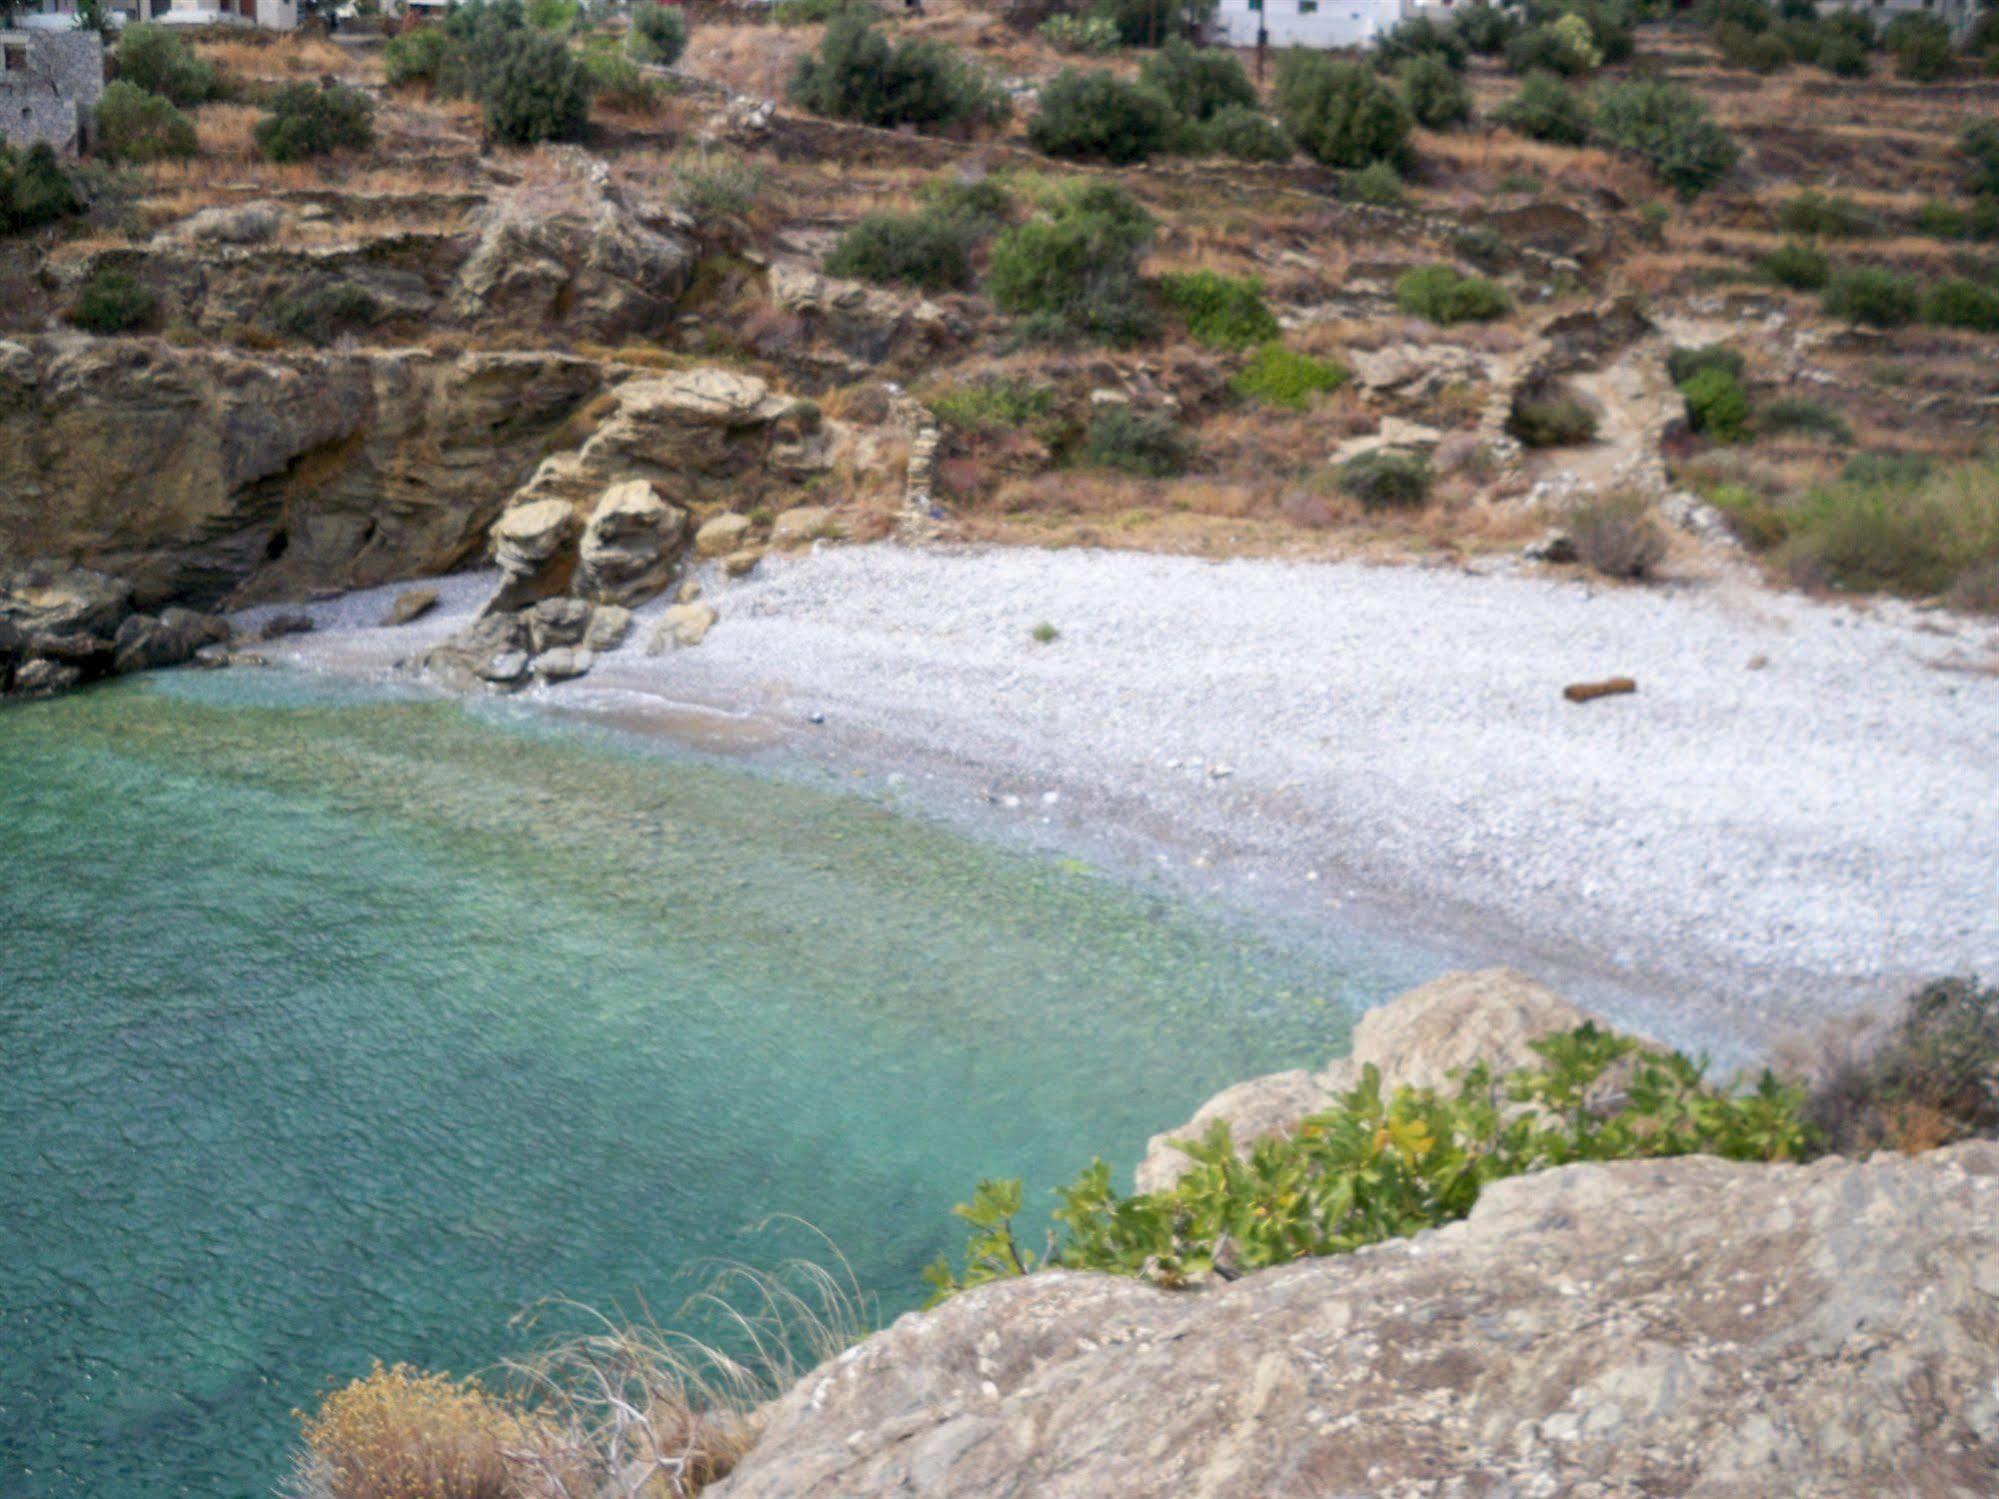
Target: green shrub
[(1441, 294), (1386, 479), (1339, 113), (1551, 420), (155, 59), (1683, 363), (1419, 36), (321, 316), (1668, 128), (1929, 1080), (858, 74), (1198, 82), (1375, 1166), (1221, 311), (34, 189), (1844, 56), (1277, 376), (814, 12), (1797, 266), (1978, 143), (112, 302), (1546, 109), (1074, 273), (1921, 47), (616, 81), (1436, 97), (658, 34), (1565, 46), (531, 88), (1135, 442), (1377, 184), (1094, 116), (1757, 51), (1941, 220), (979, 205), (1486, 29), (1247, 135), (135, 126), (560, 17), (308, 120), (1717, 406), (415, 56), (928, 249), (993, 405), (1831, 216), (1884, 530), (1870, 295), (1956, 302), (1797, 414), (1093, 36), (1149, 23)]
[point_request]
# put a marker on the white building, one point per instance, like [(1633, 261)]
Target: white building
[(271, 15), (1302, 23), (1959, 15)]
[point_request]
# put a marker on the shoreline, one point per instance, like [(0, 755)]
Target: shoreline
[(1704, 860)]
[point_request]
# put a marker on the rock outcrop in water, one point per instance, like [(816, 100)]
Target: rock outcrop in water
[(1684, 1327)]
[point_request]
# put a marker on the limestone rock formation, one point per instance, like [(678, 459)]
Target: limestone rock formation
[(801, 526), (595, 274), (721, 534), (60, 626), (630, 546), (200, 475), (682, 625), (1417, 1039), (409, 606), (1685, 1327)]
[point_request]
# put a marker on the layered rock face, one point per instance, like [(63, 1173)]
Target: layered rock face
[(1684, 1327), (199, 475), (604, 527)]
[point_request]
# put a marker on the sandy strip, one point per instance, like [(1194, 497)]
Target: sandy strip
[(1797, 812)]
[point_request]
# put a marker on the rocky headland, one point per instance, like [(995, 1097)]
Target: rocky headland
[(1685, 1326)]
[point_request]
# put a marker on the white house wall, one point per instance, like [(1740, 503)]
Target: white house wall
[(1304, 23)]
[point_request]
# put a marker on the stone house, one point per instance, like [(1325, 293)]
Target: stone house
[(50, 82)]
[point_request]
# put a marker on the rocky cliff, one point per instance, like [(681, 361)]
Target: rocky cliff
[(1683, 1326)]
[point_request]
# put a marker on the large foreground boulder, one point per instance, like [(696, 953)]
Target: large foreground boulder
[(1684, 1327), (1418, 1039)]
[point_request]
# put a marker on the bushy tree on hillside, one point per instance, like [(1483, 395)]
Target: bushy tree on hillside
[(1074, 273), (34, 189), (658, 34), (1095, 116), (1668, 127), (1199, 82), (1547, 109), (1152, 23), (307, 120), (156, 60), (859, 74), (1437, 98), (1339, 113), (531, 88), (135, 126)]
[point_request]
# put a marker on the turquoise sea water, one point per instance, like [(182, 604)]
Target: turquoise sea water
[(338, 1025)]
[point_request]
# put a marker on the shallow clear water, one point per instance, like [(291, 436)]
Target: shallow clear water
[(338, 1025)]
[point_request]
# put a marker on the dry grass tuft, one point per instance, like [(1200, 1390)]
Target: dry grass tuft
[(617, 1412)]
